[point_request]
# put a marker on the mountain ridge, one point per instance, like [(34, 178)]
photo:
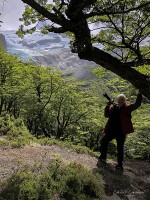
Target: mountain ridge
[(47, 50)]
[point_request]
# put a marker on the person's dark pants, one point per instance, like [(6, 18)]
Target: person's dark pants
[(120, 138)]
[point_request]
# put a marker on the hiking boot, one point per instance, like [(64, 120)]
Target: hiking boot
[(101, 162)]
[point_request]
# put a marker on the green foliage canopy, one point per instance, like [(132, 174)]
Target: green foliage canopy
[(49, 104), (120, 27)]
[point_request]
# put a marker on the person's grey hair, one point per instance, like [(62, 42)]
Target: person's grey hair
[(121, 95)]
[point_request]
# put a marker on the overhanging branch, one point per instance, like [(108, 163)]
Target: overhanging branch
[(60, 20), (56, 29), (77, 24), (112, 64), (115, 12), (137, 63)]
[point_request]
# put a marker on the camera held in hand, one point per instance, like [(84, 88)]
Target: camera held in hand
[(110, 101)]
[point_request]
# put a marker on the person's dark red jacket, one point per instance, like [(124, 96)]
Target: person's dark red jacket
[(126, 109)]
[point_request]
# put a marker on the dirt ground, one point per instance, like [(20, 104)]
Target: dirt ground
[(14, 159)]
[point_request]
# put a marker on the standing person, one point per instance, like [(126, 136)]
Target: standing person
[(119, 124)]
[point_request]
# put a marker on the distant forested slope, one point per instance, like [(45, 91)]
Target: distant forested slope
[(52, 105)]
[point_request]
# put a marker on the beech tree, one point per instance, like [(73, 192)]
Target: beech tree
[(121, 27)]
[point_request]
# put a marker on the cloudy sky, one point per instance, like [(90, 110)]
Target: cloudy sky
[(11, 11)]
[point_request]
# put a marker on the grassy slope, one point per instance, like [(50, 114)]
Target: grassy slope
[(36, 158)]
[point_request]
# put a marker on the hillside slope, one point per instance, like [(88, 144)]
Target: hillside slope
[(132, 184)]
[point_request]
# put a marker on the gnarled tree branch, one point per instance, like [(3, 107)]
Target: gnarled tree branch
[(76, 22), (137, 63), (112, 11), (61, 20), (110, 63)]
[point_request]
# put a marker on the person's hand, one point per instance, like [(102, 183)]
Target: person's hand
[(139, 92), (109, 103)]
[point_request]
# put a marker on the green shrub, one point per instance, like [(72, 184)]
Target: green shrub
[(21, 186), (14, 131), (80, 182), (5, 124), (72, 182)]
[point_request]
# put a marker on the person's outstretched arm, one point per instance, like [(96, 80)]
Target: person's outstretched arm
[(137, 103)]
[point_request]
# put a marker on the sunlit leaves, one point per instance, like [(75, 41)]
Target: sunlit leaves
[(122, 34), (144, 69), (31, 19), (46, 100)]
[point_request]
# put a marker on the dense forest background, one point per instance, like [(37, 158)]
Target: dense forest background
[(46, 103), (51, 124)]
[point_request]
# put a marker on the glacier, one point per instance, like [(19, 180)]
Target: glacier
[(48, 50)]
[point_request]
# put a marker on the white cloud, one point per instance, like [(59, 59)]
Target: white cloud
[(11, 11)]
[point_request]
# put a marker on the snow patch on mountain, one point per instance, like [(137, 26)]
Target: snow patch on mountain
[(48, 50)]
